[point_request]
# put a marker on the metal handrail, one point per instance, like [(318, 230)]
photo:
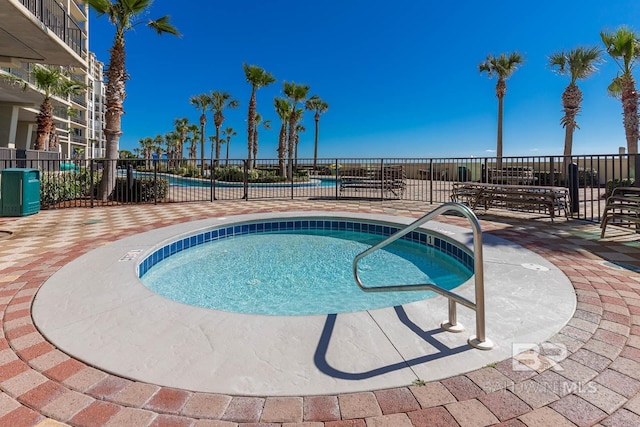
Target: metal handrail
[(479, 341)]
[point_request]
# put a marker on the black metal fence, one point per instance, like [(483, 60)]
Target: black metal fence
[(77, 183)]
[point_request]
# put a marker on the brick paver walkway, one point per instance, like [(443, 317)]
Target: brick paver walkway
[(597, 383)]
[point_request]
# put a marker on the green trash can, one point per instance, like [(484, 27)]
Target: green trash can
[(463, 174), (19, 191)]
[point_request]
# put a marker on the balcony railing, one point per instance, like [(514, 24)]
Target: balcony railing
[(80, 100), (79, 120), (78, 138), (55, 18)]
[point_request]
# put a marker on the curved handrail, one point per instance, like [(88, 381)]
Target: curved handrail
[(480, 340)]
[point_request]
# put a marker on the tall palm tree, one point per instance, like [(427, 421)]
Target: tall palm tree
[(212, 140), (283, 109), (318, 106), (147, 150), (229, 133), (220, 100), (267, 125), (158, 142), (124, 15), (172, 142), (624, 47), (182, 128), (296, 94), (503, 67), (257, 78), (201, 102), (299, 128), (193, 137), (53, 81), (578, 63)]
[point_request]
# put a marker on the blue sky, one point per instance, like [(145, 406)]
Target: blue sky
[(401, 78)]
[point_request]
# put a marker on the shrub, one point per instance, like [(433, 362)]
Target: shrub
[(229, 173), (57, 187), (143, 190)]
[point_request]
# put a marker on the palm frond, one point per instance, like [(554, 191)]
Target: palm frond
[(162, 25)]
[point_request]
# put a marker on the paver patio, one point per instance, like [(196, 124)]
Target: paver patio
[(599, 381)]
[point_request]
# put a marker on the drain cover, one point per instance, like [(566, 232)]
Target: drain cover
[(535, 267), (619, 266)]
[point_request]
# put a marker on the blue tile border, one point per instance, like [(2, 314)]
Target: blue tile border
[(423, 237)]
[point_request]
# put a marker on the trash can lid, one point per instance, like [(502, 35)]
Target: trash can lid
[(20, 169)]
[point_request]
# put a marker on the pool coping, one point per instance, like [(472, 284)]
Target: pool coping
[(93, 324)]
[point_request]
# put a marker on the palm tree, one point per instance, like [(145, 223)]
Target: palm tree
[(220, 100), (158, 141), (193, 137), (319, 107), (503, 67), (296, 94), (213, 140), (201, 102), (53, 81), (299, 128), (172, 141), (182, 128), (283, 109), (257, 78), (623, 46), (122, 14), (267, 125), (147, 150), (578, 63), (228, 132)]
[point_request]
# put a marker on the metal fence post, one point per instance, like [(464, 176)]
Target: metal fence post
[(91, 186), (155, 183), (573, 188), (430, 171), (246, 180)]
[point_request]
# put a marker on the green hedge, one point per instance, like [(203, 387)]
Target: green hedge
[(57, 187), (143, 190)]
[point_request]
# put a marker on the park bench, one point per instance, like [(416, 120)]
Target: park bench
[(622, 207), (511, 196), (389, 179)]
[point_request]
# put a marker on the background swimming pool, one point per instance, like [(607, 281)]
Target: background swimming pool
[(299, 272), (180, 181)]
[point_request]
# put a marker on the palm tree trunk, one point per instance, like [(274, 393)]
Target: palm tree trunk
[(217, 143), (251, 123), (114, 93), (501, 88), (227, 158), (282, 149), (255, 147), (292, 129), (315, 144), (499, 144), (630, 112), (203, 121)]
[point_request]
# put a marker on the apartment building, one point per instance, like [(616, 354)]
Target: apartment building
[(53, 32)]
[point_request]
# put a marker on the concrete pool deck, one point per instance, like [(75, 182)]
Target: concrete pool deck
[(120, 326), (597, 382)]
